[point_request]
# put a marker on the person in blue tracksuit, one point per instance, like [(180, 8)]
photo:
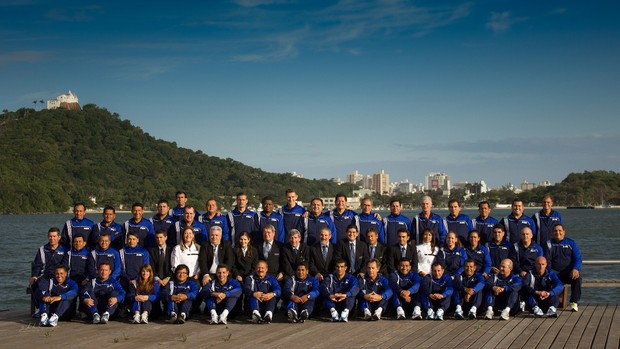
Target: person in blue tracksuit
[(102, 295), (484, 222), (565, 259), (545, 220), (144, 227), (301, 291), (368, 219), (526, 251), (181, 292), (269, 216), (405, 284), (394, 222), (316, 221), (142, 294), (543, 287), (177, 211), (468, 288), (162, 220), (241, 219), (190, 220), (427, 219), (436, 294), (452, 255), (213, 217), (499, 248), (516, 221), (102, 253), (502, 292), (78, 224), (292, 213), (342, 217), (56, 297), (107, 226), (263, 290), (221, 295), (457, 222), (133, 257), (47, 258), (339, 290), (479, 253), (375, 291), (77, 260)]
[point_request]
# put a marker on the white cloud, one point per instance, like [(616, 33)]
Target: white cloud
[(500, 22)]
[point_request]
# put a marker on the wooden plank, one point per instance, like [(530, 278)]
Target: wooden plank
[(489, 333), (587, 336), (562, 338), (602, 332), (475, 331), (453, 338), (436, 337), (534, 332), (614, 331), (547, 340), (412, 339), (503, 332)]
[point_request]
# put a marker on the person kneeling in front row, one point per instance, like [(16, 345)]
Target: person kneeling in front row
[(221, 295), (56, 296), (102, 295)]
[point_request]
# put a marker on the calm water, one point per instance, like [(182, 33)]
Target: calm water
[(596, 231)]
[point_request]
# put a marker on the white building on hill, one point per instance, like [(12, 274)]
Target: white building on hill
[(66, 101)]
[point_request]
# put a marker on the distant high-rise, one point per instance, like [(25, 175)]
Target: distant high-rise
[(438, 181), (381, 183), (355, 178)]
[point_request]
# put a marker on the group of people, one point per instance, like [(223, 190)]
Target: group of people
[(305, 262)]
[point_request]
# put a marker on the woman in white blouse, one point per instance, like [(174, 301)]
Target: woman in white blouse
[(427, 251), (186, 252)]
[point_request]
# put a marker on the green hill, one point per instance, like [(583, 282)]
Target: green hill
[(50, 159)]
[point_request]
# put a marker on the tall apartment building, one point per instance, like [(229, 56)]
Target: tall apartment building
[(438, 181), (381, 183)]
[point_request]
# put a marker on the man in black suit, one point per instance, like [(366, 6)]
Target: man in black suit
[(270, 251), (160, 262), (322, 256), (377, 250), (353, 251), (213, 253), (294, 253), (403, 249)]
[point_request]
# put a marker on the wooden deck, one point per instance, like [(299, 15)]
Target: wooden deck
[(594, 326)]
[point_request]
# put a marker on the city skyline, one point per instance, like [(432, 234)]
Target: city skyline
[(498, 91)]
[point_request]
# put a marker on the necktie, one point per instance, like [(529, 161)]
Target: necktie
[(160, 264), (403, 252), (352, 256), (324, 248), (216, 260), (295, 250), (267, 250), (372, 252)]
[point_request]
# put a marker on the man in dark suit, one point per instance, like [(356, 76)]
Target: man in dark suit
[(322, 256), (377, 250), (213, 253), (160, 262), (353, 251), (270, 251), (403, 249), (294, 253)]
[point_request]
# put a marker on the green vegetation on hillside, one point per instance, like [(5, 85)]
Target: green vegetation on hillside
[(50, 159)]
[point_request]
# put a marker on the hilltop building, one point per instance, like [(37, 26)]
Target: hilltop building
[(65, 101)]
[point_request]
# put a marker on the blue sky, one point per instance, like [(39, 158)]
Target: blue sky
[(494, 90)]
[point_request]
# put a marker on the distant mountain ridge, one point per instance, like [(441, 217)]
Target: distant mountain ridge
[(50, 159)]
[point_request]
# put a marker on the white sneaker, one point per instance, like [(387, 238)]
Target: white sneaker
[(489, 314), (573, 306), (105, 318), (430, 314), (505, 315), (537, 311), (458, 313), (377, 315), (96, 318), (136, 318), (292, 315), (304, 315), (400, 313), (522, 306), (214, 318), (268, 317), (53, 321), (173, 317), (43, 321), (334, 314), (472, 313), (256, 318), (344, 316), (417, 313), (552, 312), (181, 319), (224, 317), (367, 314), (145, 317), (439, 315)]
